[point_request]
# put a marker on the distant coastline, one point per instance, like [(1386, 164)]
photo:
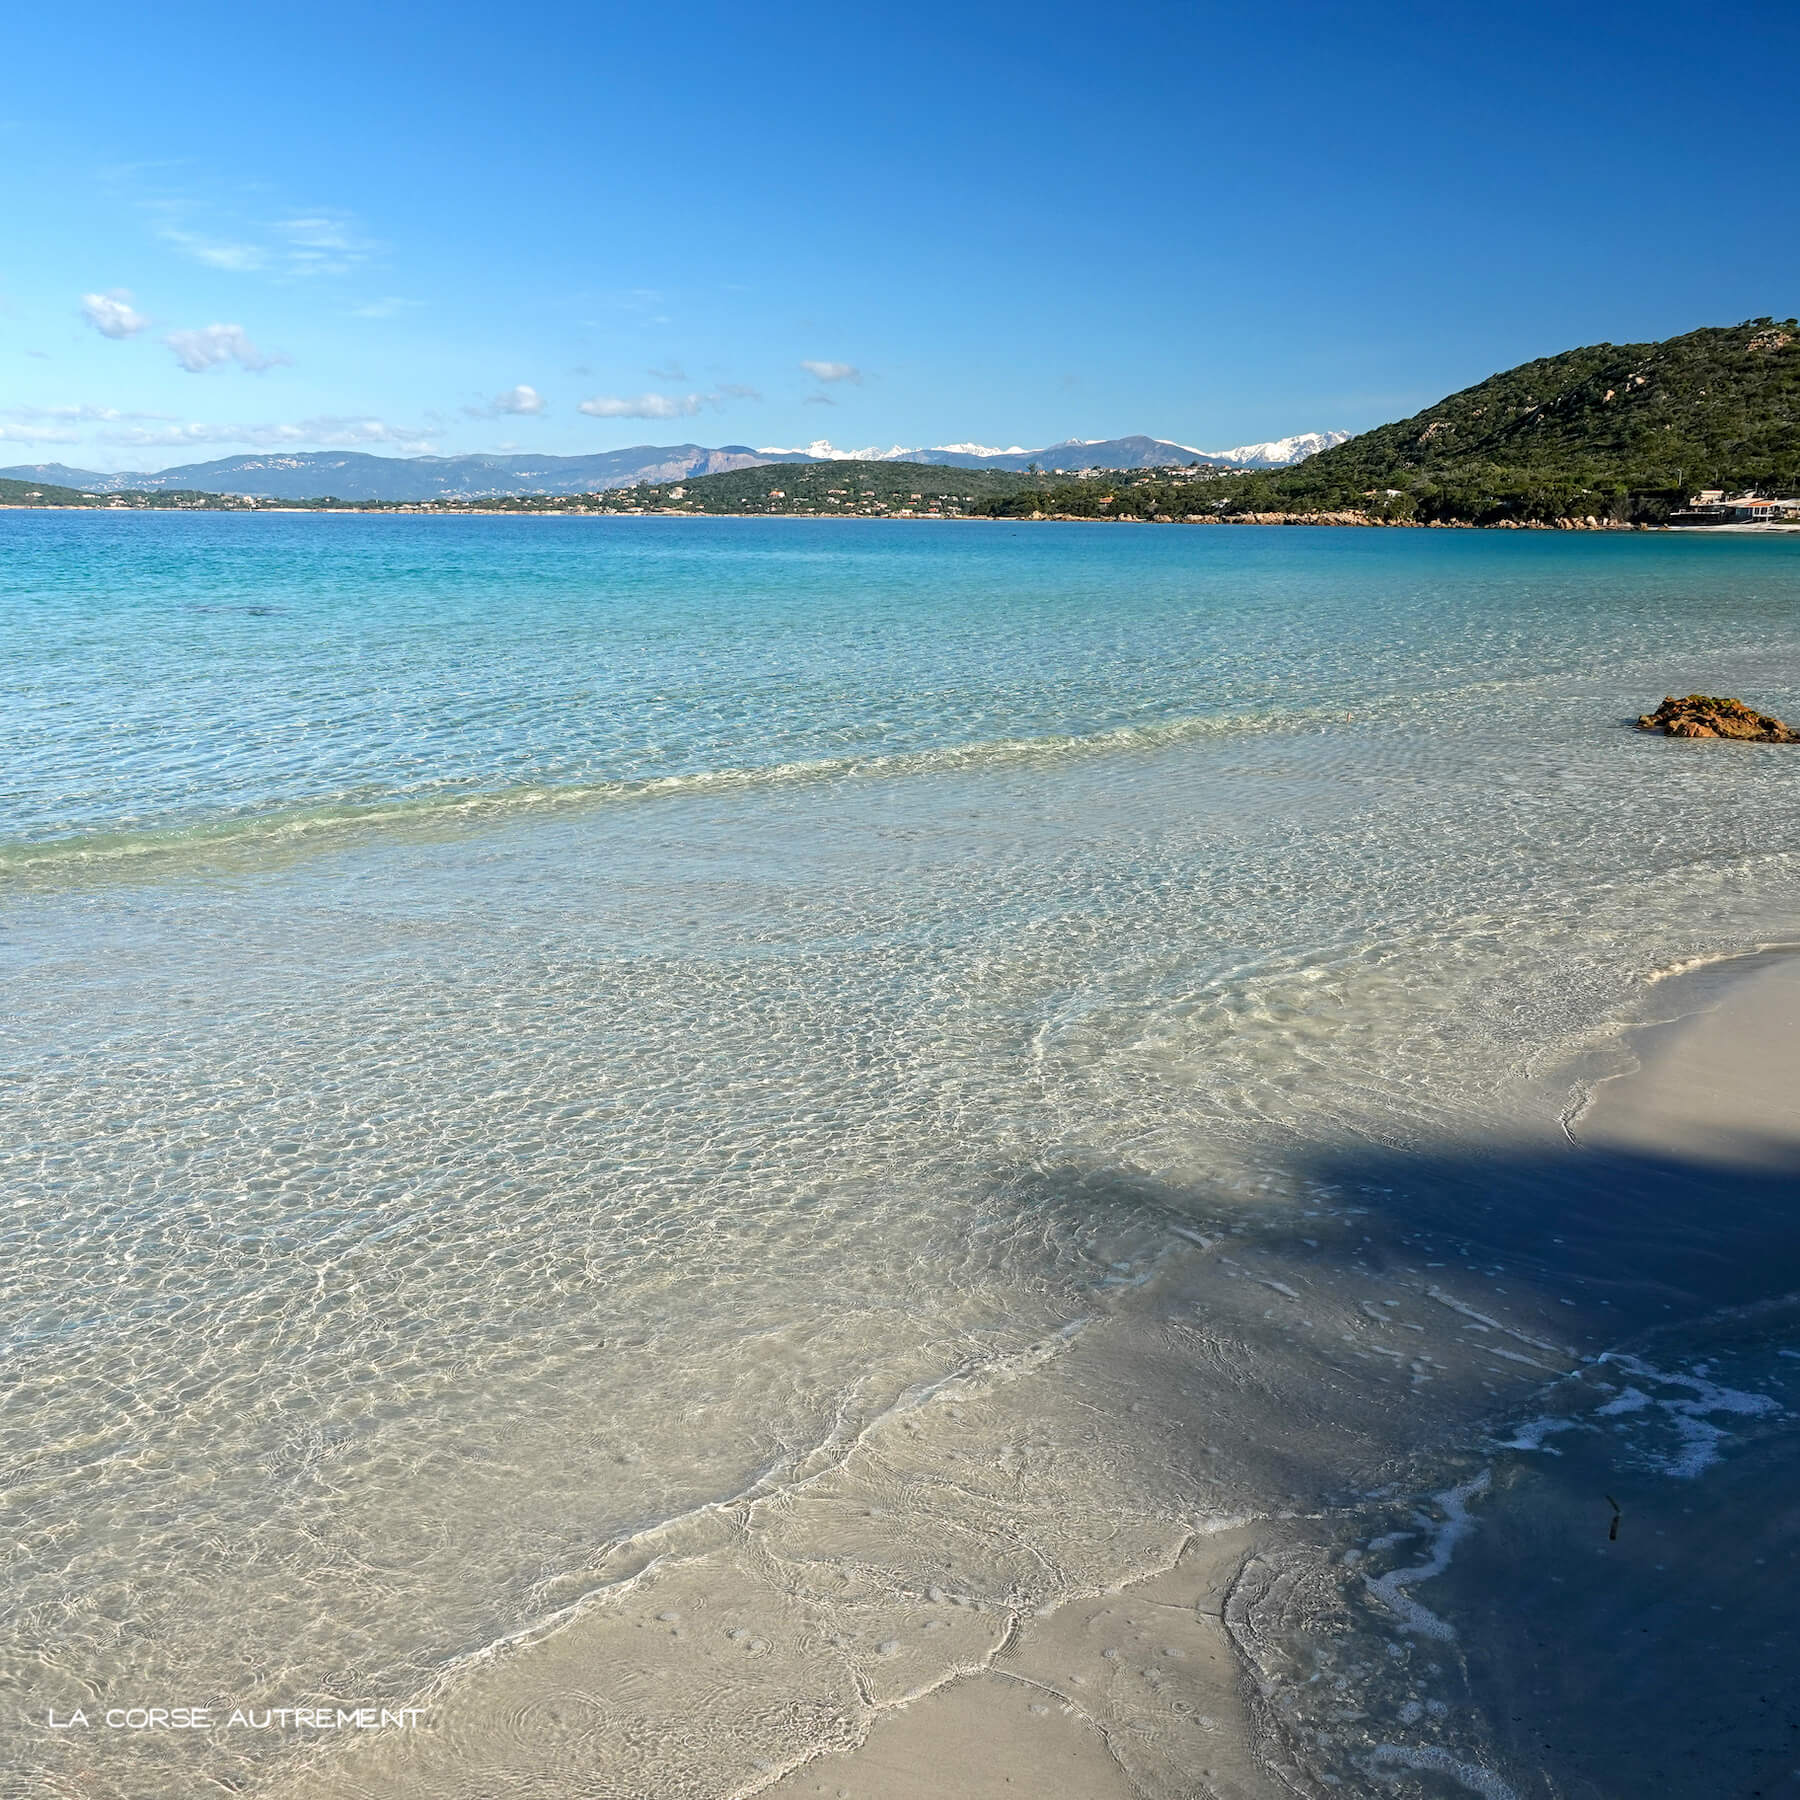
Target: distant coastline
[(1695, 432), (451, 510)]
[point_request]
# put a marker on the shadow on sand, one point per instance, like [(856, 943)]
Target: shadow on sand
[(1619, 1617)]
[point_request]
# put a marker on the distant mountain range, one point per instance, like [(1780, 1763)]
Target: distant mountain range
[(1083, 453), (1607, 432), (352, 475)]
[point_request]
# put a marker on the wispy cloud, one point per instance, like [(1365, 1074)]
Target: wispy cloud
[(240, 259), (818, 400), (326, 432), (321, 233), (640, 299), (325, 242), (648, 304), (314, 241), (390, 306), (211, 345), (75, 415), (674, 372), (37, 434), (833, 371), (112, 314), (641, 406), (664, 406)]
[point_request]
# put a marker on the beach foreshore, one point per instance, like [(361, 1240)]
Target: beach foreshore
[(1082, 1614), (1719, 1083), (1715, 1083)]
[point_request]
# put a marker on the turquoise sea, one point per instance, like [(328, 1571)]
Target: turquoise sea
[(548, 1057)]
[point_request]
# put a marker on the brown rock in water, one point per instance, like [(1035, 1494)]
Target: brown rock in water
[(1712, 716)]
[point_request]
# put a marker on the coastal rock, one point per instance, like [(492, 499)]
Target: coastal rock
[(1712, 716)]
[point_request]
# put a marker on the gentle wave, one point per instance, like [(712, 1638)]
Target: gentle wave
[(1688, 965), (624, 1563), (307, 825), (1584, 1094)]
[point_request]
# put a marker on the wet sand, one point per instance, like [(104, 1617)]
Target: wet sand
[(1613, 1664), (1627, 1603), (1062, 1709), (1437, 1409), (1720, 1084)]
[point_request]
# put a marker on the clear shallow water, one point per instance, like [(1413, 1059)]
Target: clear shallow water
[(521, 1030), (167, 677)]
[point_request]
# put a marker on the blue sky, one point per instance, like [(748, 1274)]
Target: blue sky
[(569, 228)]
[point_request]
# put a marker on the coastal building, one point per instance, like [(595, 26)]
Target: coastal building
[(1711, 507)]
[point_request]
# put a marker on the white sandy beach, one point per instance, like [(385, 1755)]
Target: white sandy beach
[(865, 1638), (933, 1205)]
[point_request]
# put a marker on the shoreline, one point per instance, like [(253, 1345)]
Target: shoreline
[(1712, 1079), (1736, 1022), (1179, 1662), (1348, 521), (1179, 1187)]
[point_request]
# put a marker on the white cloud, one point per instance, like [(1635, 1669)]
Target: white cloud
[(833, 371), (665, 406), (674, 372), (112, 314), (75, 415), (642, 406), (241, 259), (327, 432), (390, 306), (325, 231), (322, 243), (520, 399), (198, 351), (53, 424), (38, 434)]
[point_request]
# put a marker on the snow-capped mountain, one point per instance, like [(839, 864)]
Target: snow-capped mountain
[(354, 475), (1279, 452), (1077, 453), (823, 450)]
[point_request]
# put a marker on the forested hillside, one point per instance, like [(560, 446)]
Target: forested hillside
[(41, 493), (1615, 430), (833, 487)]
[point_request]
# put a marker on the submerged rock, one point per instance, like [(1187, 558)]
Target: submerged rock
[(1710, 715)]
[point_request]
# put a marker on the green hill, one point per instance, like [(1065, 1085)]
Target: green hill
[(874, 489), (1620, 431), (41, 493)]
